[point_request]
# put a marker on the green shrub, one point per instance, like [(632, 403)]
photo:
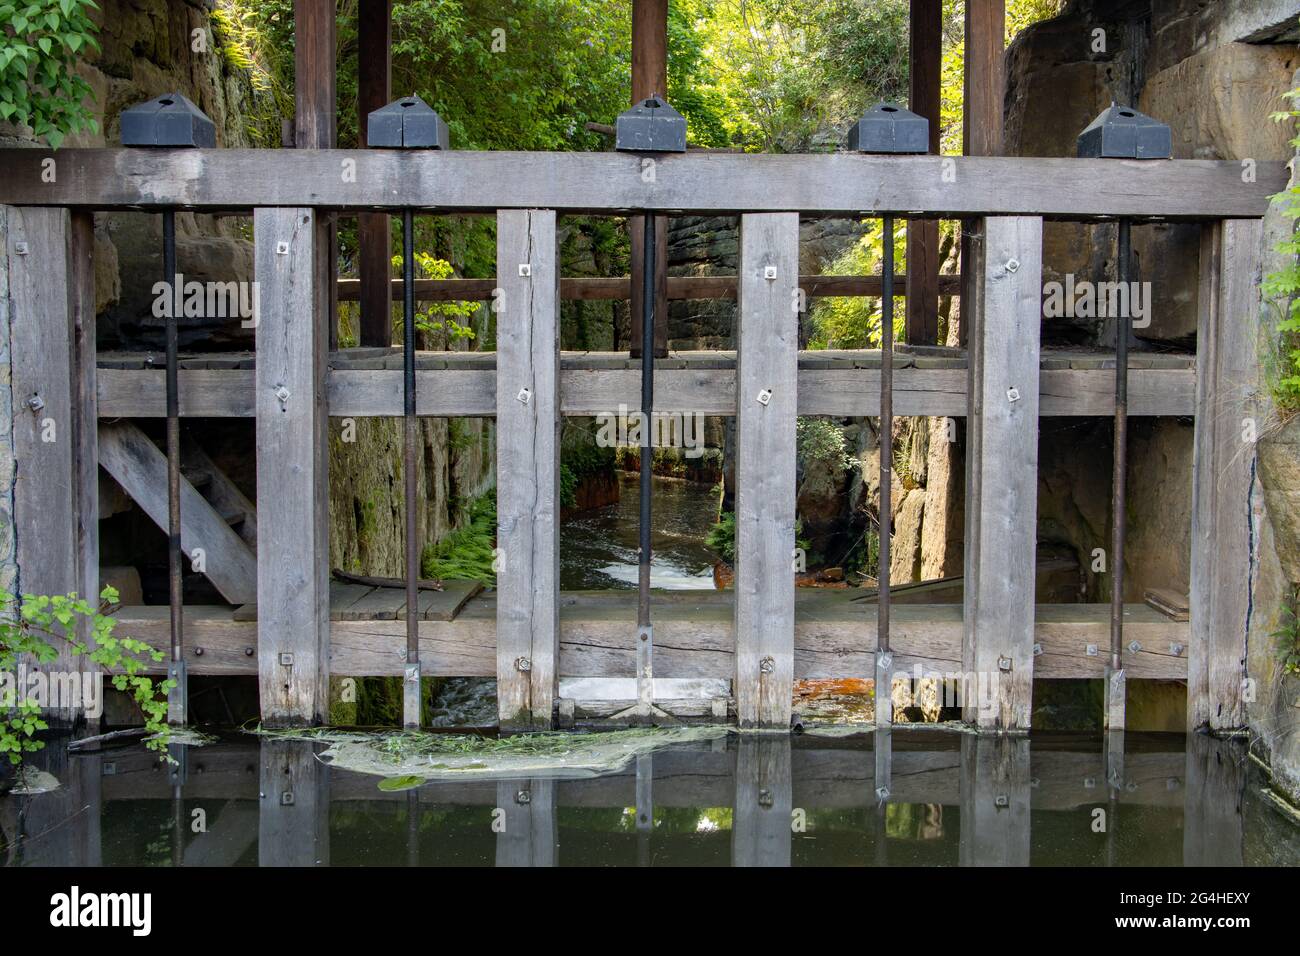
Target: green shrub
[(38, 88), (1283, 287)]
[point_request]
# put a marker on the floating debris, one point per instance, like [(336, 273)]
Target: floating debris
[(186, 737), (31, 781), (405, 756)]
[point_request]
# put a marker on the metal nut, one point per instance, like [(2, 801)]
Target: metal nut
[(1013, 394), (524, 396), (764, 396), (523, 797), (286, 660), (769, 272), (1038, 650), (1176, 649), (282, 248), (525, 269), (1002, 800), (765, 798), (20, 248), (35, 403), (1013, 265), (281, 393), (523, 665), (1004, 664), (1134, 646), (1091, 650), (767, 665)]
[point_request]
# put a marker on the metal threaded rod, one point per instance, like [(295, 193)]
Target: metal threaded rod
[(1118, 521), (886, 431), (647, 405), (409, 426), (175, 590)]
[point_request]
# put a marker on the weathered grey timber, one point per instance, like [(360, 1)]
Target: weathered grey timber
[(528, 829), (1214, 790), (473, 181), (1223, 473), (766, 407), (1002, 467), (140, 468), (292, 466), (52, 341), (832, 638), (528, 467), (702, 382)]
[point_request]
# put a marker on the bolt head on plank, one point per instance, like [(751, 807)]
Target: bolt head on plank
[(1121, 132), (169, 120), (650, 126), (408, 123), (889, 128)]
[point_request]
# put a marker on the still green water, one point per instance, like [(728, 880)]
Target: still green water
[(772, 800)]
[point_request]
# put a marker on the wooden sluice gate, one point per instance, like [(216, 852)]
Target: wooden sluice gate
[(762, 635)]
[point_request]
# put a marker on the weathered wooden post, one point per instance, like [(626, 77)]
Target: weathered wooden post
[(292, 466), (51, 323), (528, 467), (1223, 470), (1002, 471), (1214, 790), (293, 817), (766, 405)]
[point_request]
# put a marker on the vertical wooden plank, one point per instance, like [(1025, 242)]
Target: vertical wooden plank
[(1002, 470), (374, 89), (649, 77), (314, 124), (995, 801), (766, 376), (1223, 472), (292, 467), (293, 817), (926, 43), (52, 355), (761, 834), (527, 831), (528, 467)]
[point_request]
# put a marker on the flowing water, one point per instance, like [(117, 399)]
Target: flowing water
[(598, 548), (954, 800)]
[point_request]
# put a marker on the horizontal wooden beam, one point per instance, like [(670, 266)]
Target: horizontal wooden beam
[(848, 184), (604, 288), (834, 638), (458, 392)]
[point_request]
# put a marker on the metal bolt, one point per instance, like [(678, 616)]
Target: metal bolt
[(282, 248), (1004, 664), (1091, 650), (281, 393), (286, 660), (412, 674), (1013, 265), (1089, 783), (198, 652), (1013, 394), (110, 769), (524, 395), (1176, 649), (1002, 800), (1134, 646), (20, 248), (882, 794), (248, 652), (523, 797), (1172, 783), (765, 798), (525, 269), (286, 798), (769, 272), (35, 403), (764, 396), (886, 660), (767, 665), (1038, 650), (523, 665)]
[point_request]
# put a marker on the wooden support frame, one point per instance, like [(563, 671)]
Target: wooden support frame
[(374, 238), (1223, 473), (649, 77), (995, 802), (1002, 471), (766, 407), (293, 632), (528, 467), (465, 181), (51, 280), (761, 830), (922, 280)]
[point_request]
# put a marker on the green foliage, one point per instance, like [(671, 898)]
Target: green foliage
[(721, 539), (843, 322), (438, 317), (34, 628), (821, 441), (1287, 636), (251, 37), (38, 88), (466, 553), (1283, 287)]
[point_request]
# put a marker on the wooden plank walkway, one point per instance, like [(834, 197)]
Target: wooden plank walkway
[(928, 381), (834, 636)]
